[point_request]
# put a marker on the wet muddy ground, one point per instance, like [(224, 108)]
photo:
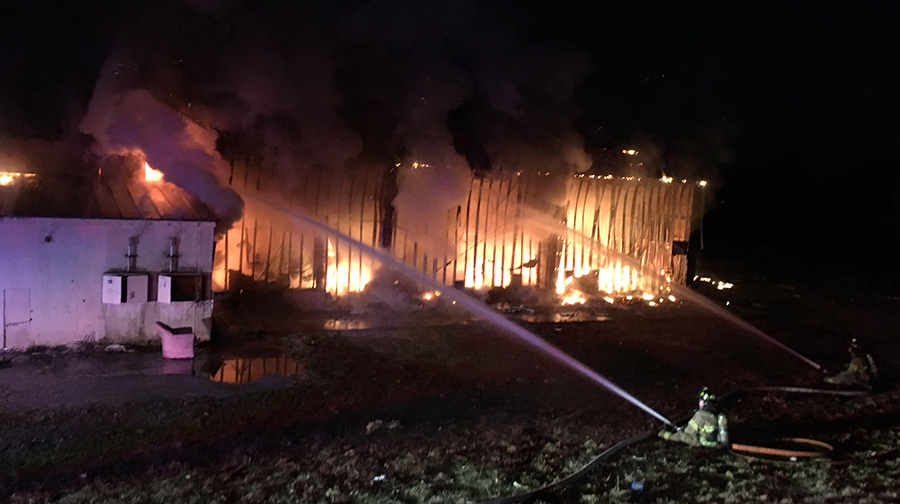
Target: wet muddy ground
[(407, 407)]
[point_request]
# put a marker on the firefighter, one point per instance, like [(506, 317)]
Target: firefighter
[(705, 428), (859, 371)]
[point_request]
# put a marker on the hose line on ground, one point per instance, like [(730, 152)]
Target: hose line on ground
[(533, 495), (823, 449), (572, 478)]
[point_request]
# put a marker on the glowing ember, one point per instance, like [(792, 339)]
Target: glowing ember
[(609, 300), (672, 298), (652, 303), (647, 296), (151, 175), (573, 299), (10, 178), (720, 285)]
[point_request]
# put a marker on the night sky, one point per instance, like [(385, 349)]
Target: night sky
[(789, 109)]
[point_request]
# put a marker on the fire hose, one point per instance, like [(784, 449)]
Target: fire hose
[(820, 449), (741, 449)]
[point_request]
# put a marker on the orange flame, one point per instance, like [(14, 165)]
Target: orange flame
[(10, 178), (151, 175)]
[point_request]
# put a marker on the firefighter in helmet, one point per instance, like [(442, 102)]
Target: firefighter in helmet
[(705, 428), (859, 371)]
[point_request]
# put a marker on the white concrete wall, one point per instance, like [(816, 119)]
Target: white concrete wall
[(51, 276)]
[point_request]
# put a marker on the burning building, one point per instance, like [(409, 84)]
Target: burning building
[(102, 257), (615, 235)]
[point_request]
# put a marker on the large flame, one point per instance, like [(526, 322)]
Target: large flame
[(343, 276), (487, 242), (151, 175), (10, 178)]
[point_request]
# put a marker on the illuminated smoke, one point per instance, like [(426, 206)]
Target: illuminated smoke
[(283, 98), (133, 121), (435, 178), (307, 88)]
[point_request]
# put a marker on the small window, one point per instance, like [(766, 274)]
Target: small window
[(183, 287)]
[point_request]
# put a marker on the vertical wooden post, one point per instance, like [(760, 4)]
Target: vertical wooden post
[(468, 212), (610, 245), (362, 220), (574, 223), (253, 263), (484, 239), (566, 242), (585, 245), (269, 252), (281, 254), (302, 265), (241, 244), (456, 242), (477, 225), (350, 203), (515, 234), (290, 256), (524, 228), (225, 282), (497, 235), (503, 258)]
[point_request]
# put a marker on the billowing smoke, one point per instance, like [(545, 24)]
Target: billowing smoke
[(456, 85), (125, 120), (435, 177), (69, 156), (282, 96), (467, 88)]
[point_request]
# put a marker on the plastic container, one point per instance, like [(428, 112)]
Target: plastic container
[(177, 342)]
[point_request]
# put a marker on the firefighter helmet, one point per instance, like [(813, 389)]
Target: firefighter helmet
[(705, 395)]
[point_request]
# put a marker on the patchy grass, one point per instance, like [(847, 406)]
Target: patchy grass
[(437, 415), (677, 474), (468, 464)]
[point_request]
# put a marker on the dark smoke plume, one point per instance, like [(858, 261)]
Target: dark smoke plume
[(457, 85), (127, 120)]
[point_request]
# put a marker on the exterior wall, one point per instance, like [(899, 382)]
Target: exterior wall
[(269, 247), (51, 273), (619, 234)]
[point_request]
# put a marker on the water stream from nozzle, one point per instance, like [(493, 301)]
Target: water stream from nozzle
[(474, 306)]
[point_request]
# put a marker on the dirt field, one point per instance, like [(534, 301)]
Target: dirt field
[(407, 408)]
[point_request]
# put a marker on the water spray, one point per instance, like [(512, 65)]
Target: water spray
[(476, 307), (551, 225)]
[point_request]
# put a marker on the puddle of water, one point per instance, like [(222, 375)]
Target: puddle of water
[(336, 324), (564, 316), (436, 319), (390, 320), (239, 370)]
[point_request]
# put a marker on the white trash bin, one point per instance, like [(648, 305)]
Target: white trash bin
[(177, 342)]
